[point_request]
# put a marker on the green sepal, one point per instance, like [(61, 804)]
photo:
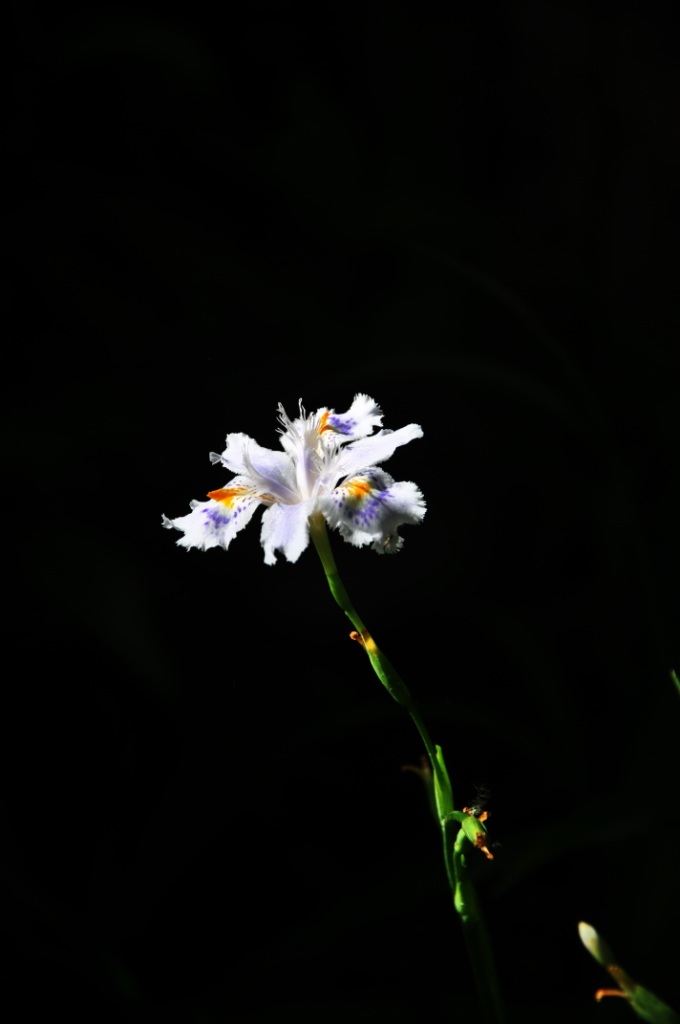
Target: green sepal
[(470, 825)]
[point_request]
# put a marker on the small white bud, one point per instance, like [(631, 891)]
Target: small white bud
[(595, 945)]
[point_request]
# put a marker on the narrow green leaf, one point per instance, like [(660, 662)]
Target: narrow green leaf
[(442, 787), (675, 679)]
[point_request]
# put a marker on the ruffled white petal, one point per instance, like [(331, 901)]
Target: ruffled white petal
[(371, 450), (233, 456), (369, 509), (360, 419), (212, 524), (269, 471), (286, 528)]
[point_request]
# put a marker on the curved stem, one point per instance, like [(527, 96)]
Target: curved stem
[(382, 667), (453, 836)]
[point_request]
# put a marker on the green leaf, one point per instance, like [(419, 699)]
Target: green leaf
[(675, 679), (649, 1007), (442, 787)]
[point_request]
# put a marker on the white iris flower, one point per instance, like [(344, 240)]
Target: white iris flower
[(328, 465)]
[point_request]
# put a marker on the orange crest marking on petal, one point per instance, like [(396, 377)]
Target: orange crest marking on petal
[(323, 422), (227, 495), (357, 488)]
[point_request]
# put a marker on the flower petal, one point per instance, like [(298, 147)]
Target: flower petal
[(369, 508), (269, 471), (370, 450), (360, 419), (286, 528), (216, 522)]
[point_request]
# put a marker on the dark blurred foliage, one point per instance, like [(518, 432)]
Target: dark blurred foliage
[(466, 211)]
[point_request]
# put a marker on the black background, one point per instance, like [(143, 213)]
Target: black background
[(469, 216)]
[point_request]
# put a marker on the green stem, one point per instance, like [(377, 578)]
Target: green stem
[(382, 667), (480, 950), (453, 837)]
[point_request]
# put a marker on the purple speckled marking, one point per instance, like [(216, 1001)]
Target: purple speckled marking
[(341, 424), (371, 510), (366, 510), (217, 517)]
